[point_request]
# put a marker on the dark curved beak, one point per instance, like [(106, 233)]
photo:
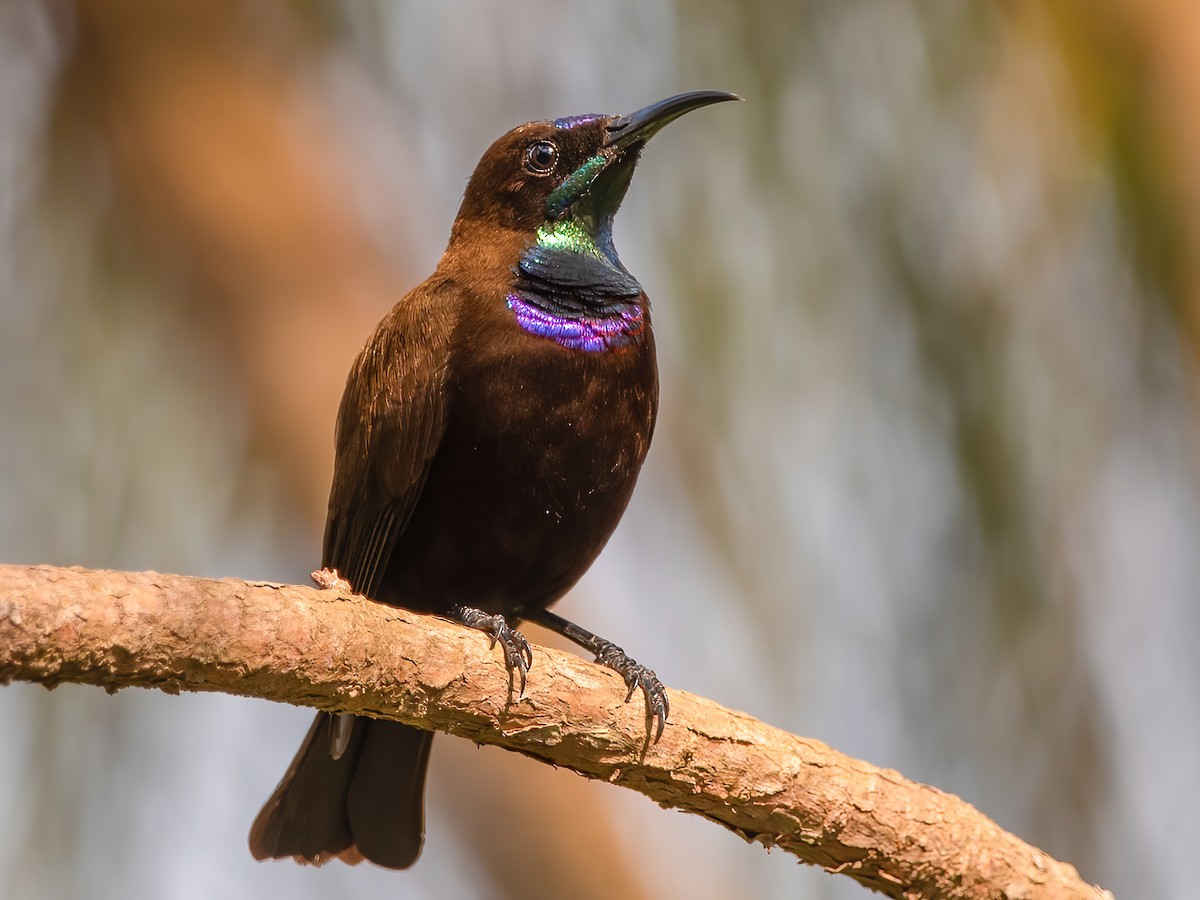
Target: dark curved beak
[(642, 125)]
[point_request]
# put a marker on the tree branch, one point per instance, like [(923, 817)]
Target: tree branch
[(334, 652)]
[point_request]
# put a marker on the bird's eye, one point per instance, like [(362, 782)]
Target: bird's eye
[(540, 157)]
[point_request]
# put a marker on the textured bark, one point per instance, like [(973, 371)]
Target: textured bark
[(319, 648)]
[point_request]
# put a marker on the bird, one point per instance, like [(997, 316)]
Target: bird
[(487, 443)]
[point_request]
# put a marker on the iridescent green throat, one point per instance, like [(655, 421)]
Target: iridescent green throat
[(572, 234), (572, 267), (570, 278), (575, 186)]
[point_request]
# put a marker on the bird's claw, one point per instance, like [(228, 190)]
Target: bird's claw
[(518, 656), (658, 707)]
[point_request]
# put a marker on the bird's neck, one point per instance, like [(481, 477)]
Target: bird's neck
[(571, 288)]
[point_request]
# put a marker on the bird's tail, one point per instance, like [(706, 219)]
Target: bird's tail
[(368, 803)]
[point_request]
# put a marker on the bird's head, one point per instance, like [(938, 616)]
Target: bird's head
[(560, 182)]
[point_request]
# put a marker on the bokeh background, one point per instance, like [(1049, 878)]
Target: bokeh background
[(925, 484)]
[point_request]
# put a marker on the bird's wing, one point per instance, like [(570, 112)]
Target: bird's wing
[(390, 423)]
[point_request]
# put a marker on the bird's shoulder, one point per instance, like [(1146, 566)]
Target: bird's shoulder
[(390, 424), (405, 354)]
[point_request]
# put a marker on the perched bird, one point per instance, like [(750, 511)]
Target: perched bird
[(487, 443)]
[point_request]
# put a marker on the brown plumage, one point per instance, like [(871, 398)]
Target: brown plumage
[(485, 453)]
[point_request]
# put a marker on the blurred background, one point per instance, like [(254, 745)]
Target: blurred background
[(926, 483)]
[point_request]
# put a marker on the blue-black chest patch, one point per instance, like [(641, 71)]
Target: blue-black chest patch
[(569, 281), (610, 331), (579, 300)]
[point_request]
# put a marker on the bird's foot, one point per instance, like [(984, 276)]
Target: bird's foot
[(330, 580), (636, 675), (518, 657)]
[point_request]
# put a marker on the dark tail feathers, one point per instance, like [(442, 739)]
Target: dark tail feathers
[(369, 803)]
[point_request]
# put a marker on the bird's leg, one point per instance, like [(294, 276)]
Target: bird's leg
[(517, 655), (609, 654)]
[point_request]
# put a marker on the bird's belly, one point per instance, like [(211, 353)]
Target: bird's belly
[(532, 477)]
